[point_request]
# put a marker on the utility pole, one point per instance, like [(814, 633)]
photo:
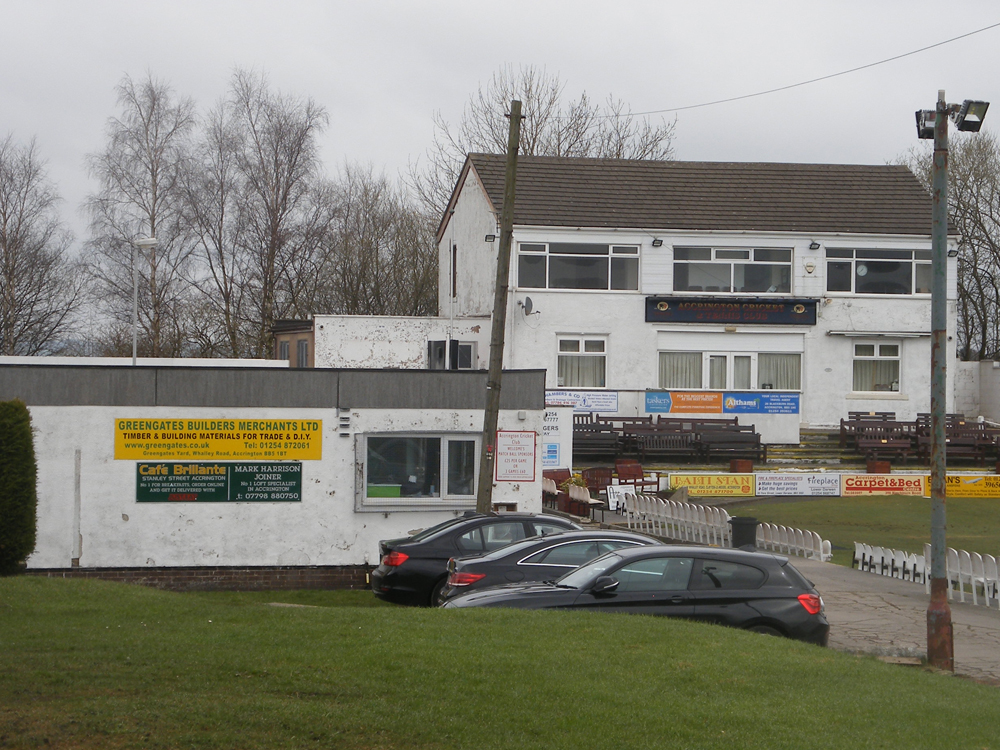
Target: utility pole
[(487, 454)]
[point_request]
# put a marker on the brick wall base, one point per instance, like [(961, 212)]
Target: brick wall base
[(257, 578)]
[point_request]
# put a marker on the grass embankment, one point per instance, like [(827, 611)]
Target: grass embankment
[(888, 521), (90, 664)]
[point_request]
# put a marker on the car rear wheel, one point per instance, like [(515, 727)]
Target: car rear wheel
[(436, 591), (764, 630)]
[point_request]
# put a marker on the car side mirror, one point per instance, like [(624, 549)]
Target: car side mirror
[(604, 585)]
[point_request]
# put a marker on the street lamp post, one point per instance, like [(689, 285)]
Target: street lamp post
[(144, 242), (934, 124)]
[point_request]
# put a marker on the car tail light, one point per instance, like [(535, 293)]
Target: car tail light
[(464, 579), (812, 603), (395, 558)]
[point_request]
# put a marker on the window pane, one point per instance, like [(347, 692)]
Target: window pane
[(718, 574), (741, 372), (569, 345), (578, 273), (876, 375), (404, 467), (624, 273), (757, 277), (625, 249), (883, 277), (692, 253), (772, 255), (894, 254), (531, 248), (717, 372), (581, 372), (864, 350), (838, 276), (656, 574), (839, 253), (779, 371), (577, 248), (461, 467), (732, 254), (593, 346), (710, 277), (923, 282), (680, 369), (888, 350), (922, 254), (531, 271)]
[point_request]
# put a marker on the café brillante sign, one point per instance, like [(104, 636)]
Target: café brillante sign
[(759, 311)]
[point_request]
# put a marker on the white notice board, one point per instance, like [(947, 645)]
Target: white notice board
[(515, 457)]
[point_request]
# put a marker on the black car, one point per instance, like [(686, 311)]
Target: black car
[(413, 570), (535, 559), (751, 590)]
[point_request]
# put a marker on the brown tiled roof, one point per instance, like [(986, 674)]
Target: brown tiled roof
[(574, 192)]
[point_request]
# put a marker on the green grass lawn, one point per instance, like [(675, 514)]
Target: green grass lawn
[(889, 521), (91, 664)]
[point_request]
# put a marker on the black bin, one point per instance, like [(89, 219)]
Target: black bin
[(744, 532)]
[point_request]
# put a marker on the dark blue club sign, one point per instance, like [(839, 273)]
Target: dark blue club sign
[(756, 310)]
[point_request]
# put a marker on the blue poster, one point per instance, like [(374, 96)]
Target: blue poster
[(760, 403), (658, 402)]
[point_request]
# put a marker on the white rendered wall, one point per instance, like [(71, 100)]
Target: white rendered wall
[(382, 341), (323, 529)]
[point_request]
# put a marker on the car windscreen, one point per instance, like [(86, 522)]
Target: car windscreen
[(586, 573)]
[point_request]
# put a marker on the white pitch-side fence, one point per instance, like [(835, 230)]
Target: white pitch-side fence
[(968, 573), (706, 524)]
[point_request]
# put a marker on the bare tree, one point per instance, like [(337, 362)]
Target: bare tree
[(974, 210), (140, 193), (552, 126), (382, 251), (282, 202), (39, 285)]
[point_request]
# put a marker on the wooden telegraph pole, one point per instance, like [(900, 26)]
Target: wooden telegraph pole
[(484, 494)]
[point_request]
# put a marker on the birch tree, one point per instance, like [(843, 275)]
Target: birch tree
[(140, 193)]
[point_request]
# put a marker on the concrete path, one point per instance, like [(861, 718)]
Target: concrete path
[(886, 616)]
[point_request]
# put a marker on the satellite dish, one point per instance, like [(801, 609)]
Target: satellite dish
[(527, 305)]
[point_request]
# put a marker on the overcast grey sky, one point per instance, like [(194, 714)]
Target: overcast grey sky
[(383, 68)]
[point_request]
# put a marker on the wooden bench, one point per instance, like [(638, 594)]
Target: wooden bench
[(886, 440), (595, 441), (667, 445), (730, 444)]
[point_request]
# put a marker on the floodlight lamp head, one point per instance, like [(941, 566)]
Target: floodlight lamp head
[(145, 242), (925, 123), (971, 115)]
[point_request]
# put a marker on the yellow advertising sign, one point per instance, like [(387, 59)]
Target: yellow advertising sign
[(856, 485), (219, 439), (712, 485), (966, 485)]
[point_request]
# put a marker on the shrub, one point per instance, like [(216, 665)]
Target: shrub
[(18, 474)]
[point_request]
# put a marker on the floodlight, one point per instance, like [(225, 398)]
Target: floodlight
[(925, 123), (970, 117)]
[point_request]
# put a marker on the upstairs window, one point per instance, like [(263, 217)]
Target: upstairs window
[(733, 270), (577, 265), (878, 271), (581, 362)]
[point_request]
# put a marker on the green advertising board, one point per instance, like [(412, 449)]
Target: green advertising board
[(244, 482)]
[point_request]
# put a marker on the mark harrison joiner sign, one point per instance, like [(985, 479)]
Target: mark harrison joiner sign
[(216, 439), (801, 312)]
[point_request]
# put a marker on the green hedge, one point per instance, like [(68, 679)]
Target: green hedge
[(18, 474)]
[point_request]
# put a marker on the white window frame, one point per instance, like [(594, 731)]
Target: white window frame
[(620, 251), (718, 257), (444, 497), (583, 341), (706, 358), (879, 355), (917, 259)]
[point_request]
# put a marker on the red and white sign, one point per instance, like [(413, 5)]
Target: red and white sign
[(515, 456)]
